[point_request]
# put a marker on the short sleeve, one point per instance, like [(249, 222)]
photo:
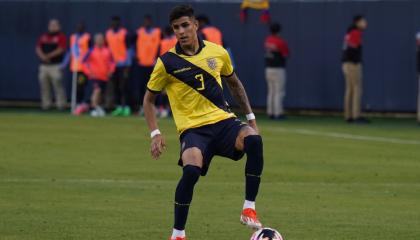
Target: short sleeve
[(158, 78), (354, 39), (227, 69)]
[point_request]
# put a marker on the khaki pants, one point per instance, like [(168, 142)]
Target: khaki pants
[(353, 95), (51, 75), (276, 85), (418, 104)]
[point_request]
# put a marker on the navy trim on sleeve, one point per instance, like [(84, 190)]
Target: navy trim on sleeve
[(230, 75), (153, 91)]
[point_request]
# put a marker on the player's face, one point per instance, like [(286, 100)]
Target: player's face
[(53, 26), (99, 40), (362, 24), (185, 29)]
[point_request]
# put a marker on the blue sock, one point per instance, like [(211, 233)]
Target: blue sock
[(253, 147), (184, 194)]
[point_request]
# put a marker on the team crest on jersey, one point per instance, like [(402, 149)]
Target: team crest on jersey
[(211, 62)]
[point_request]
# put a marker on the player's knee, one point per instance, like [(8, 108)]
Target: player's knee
[(253, 144), (192, 156), (191, 173), (253, 147)]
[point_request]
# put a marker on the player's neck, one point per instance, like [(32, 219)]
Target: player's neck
[(191, 49)]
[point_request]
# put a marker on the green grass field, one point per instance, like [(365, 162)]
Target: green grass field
[(63, 177)]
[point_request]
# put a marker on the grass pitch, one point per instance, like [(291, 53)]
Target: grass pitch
[(63, 177)]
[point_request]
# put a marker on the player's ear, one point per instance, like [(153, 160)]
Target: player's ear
[(195, 22)]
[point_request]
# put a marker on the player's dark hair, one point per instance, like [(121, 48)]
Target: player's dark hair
[(181, 11), (203, 18), (275, 28), (357, 18)]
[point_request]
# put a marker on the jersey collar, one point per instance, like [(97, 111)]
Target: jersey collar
[(179, 50)]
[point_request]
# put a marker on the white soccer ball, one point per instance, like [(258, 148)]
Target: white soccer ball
[(266, 234)]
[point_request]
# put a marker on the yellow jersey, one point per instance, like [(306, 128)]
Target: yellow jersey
[(194, 84)]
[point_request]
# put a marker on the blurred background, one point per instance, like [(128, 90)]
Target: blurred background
[(313, 29)]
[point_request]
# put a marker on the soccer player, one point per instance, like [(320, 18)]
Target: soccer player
[(191, 73)]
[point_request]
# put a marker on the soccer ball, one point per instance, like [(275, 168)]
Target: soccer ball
[(266, 234)]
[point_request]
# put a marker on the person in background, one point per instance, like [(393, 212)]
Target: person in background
[(118, 41), (100, 66), (209, 32), (80, 42), (276, 54), (168, 41), (352, 69), (147, 51), (418, 76), (50, 49)]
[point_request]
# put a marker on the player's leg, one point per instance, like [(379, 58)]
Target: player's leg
[(116, 82), (192, 160), (124, 91), (357, 91), (348, 95), (95, 96), (269, 80), (282, 91), (418, 103), (44, 83), (81, 85), (251, 143), (57, 82)]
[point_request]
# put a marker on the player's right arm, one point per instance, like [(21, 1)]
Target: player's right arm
[(158, 142), (41, 53), (157, 82)]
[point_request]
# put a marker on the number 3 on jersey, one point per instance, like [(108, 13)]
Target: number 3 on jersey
[(200, 78)]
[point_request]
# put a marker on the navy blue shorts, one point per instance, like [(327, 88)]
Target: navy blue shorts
[(95, 84), (92, 85), (213, 139)]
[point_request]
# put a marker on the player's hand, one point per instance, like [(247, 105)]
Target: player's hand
[(253, 124), (45, 58), (158, 146)]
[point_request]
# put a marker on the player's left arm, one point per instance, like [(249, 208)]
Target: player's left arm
[(239, 94)]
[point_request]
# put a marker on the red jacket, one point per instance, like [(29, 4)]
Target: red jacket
[(99, 63)]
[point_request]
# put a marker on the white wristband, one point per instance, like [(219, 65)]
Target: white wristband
[(250, 116), (154, 133)]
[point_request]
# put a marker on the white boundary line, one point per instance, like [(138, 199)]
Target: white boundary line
[(348, 136), (173, 182)]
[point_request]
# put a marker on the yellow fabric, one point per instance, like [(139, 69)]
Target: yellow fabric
[(190, 108), (256, 4)]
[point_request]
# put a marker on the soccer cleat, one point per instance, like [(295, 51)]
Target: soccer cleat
[(82, 108), (178, 238), (250, 219), (118, 111), (126, 111)]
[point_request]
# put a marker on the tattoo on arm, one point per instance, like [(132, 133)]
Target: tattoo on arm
[(238, 92)]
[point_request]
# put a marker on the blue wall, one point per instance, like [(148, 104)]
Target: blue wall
[(314, 31)]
